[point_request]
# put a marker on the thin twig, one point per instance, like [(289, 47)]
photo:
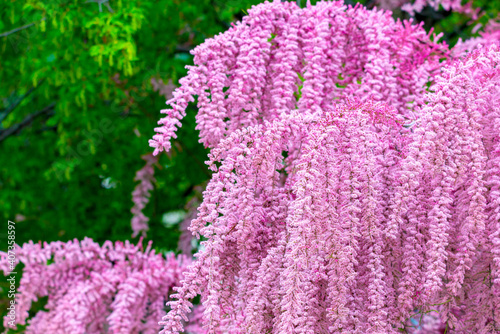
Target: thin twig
[(4, 113), (25, 122), (5, 34)]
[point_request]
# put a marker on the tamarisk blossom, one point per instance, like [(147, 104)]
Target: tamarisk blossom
[(345, 195), (140, 195), (186, 237), (445, 211), (302, 253), (113, 288), (164, 90), (417, 6), (346, 221), (281, 57)]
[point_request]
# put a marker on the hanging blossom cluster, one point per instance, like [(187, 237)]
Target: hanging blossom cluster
[(345, 195), (165, 90), (116, 288), (185, 244), (282, 57), (295, 243), (141, 194), (445, 214)]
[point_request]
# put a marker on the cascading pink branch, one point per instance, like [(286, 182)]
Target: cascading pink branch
[(345, 195), (185, 239), (164, 90), (141, 194), (114, 288), (447, 205), (254, 72), (304, 253)]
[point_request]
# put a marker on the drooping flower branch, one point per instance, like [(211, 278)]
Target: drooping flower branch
[(282, 57), (295, 251), (164, 90), (116, 288), (446, 204), (186, 237), (141, 194)]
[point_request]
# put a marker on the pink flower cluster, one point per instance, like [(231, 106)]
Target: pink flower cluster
[(140, 195), (282, 57), (449, 5), (446, 210), (489, 36), (417, 6), (186, 237), (295, 244), (116, 288), (165, 90), (346, 194)]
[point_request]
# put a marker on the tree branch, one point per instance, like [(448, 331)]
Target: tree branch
[(182, 48), (7, 33), (26, 121), (4, 113)]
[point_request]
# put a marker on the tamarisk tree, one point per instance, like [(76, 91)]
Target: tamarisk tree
[(356, 176)]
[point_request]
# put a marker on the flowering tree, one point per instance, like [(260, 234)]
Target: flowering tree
[(355, 176)]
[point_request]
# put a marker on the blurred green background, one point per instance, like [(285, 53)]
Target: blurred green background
[(78, 105)]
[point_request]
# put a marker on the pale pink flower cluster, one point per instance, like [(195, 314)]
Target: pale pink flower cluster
[(345, 194), (489, 36), (448, 205), (417, 6), (186, 237), (113, 288), (165, 90), (141, 194), (356, 227), (391, 4)]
